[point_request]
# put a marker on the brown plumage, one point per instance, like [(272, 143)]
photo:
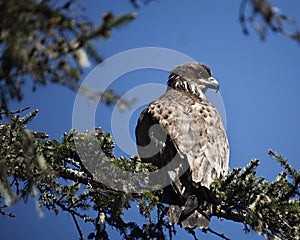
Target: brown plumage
[(183, 132)]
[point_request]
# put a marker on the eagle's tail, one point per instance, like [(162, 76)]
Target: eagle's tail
[(193, 214)]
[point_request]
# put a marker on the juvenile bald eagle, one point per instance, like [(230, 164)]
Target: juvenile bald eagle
[(184, 128)]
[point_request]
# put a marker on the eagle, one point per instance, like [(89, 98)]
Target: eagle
[(183, 132)]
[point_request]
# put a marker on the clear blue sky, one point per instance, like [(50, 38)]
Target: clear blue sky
[(259, 80)]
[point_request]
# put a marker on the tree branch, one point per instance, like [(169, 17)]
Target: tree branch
[(81, 236), (221, 235), (28, 158), (269, 19)]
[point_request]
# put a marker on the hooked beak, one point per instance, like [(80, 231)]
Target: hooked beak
[(214, 84)]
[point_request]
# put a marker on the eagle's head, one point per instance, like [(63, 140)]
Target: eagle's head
[(194, 78)]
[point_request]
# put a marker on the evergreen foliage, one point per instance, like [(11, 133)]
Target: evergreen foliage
[(49, 41), (51, 170)]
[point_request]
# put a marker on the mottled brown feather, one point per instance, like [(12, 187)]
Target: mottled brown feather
[(187, 128)]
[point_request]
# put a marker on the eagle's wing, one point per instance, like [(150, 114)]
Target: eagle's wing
[(195, 130)]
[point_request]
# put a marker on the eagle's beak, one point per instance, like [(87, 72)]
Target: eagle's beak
[(214, 84)]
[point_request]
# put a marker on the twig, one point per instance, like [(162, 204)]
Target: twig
[(77, 227), (14, 112), (242, 17), (270, 19), (6, 213), (221, 235), (192, 232)]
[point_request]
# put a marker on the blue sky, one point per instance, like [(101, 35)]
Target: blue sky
[(259, 82)]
